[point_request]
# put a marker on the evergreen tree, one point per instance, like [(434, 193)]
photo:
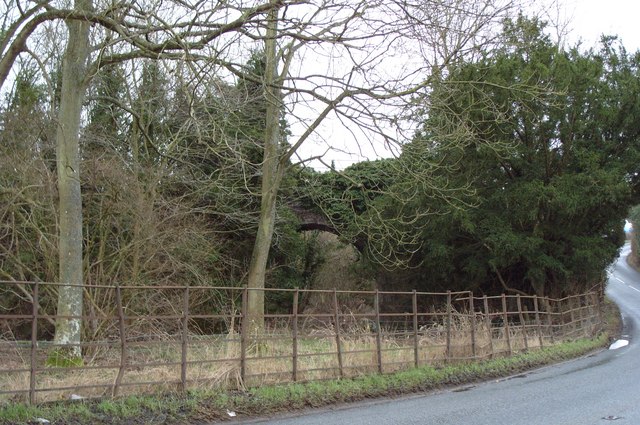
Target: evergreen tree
[(106, 127), (550, 153)]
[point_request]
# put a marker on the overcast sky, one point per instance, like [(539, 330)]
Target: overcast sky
[(586, 21), (592, 18)]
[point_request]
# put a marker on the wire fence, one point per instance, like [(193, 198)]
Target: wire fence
[(173, 338)]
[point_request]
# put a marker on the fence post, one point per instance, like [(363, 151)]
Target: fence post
[(582, 310), (560, 325), (294, 355), (123, 342), (378, 332), (416, 345), (472, 311), (487, 318), (589, 316), (34, 344), (448, 352), (185, 339), (243, 335), (550, 322), (505, 318), (597, 306), (336, 320), (582, 300), (522, 323), (572, 318), (536, 307)]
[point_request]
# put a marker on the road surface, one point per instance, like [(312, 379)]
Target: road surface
[(599, 389)]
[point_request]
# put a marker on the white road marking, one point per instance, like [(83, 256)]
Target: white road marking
[(634, 288), (625, 283)]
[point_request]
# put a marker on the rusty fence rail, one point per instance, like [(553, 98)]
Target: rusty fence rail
[(172, 338)]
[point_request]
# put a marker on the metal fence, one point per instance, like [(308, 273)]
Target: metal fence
[(172, 338)]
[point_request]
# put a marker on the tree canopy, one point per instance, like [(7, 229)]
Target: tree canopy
[(521, 166), (547, 141)]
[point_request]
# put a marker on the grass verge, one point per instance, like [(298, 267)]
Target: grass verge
[(210, 406), (204, 406)]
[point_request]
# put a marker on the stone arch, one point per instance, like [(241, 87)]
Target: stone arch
[(312, 220)]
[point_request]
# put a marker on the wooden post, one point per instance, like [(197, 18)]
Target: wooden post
[(582, 313), (336, 320), (378, 332), (599, 310), (536, 306), (559, 323), (596, 305), (572, 317), (244, 329), (448, 352), (550, 322), (591, 314), (505, 318), (579, 315), (185, 339), (472, 311), (487, 318), (586, 316), (34, 344), (294, 355), (123, 342), (522, 323), (416, 345)]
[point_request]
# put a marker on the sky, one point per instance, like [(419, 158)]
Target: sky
[(586, 21), (592, 18)]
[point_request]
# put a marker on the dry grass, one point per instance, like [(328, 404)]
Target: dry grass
[(154, 360), (214, 361)]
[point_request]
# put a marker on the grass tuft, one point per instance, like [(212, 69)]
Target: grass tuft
[(63, 357)]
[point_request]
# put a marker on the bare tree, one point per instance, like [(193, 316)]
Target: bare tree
[(68, 328), (122, 32), (375, 58), (359, 63)]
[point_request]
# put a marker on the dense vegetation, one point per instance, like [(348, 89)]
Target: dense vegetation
[(519, 178), (552, 199), (539, 148), (167, 198)]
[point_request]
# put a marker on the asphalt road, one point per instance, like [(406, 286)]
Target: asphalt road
[(600, 389)]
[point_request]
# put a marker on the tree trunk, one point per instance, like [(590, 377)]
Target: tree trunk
[(68, 330), (258, 265), (271, 177)]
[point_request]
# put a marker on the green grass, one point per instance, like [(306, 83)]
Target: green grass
[(61, 357), (211, 405)]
